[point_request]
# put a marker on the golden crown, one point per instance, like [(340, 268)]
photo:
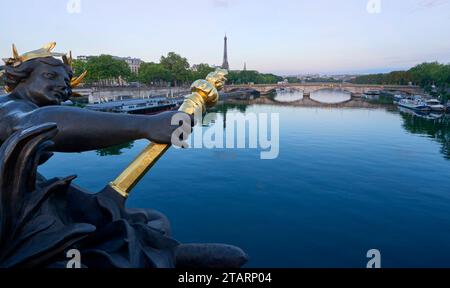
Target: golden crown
[(45, 51)]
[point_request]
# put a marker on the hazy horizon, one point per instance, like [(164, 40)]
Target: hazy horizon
[(280, 37)]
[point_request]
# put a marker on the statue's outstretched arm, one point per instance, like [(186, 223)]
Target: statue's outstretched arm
[(84, 130)]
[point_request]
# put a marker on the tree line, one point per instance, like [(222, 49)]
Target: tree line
[(249, 76), (173, 70), (433, 77)]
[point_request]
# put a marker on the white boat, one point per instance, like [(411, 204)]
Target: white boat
[(136, 106), (435, 105), (414, 104), (373, 92), (421, 114), (397, 98)]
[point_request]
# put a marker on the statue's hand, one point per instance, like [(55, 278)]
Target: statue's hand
[(217, 78), (205, 93), (164, 128)]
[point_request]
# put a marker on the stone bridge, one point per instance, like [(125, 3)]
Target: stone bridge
[(308, 88)]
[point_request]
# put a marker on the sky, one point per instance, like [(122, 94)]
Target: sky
[(284, 37)]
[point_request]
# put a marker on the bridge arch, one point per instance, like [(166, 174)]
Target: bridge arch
[(343, 89)]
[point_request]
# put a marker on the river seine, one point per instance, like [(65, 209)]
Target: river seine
[(346, 180)]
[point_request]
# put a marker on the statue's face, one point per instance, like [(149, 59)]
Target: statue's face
[(48, 85)]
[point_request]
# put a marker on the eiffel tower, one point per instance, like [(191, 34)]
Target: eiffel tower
[(225, 64)]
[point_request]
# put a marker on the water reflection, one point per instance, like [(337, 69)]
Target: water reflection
[(434, 126), (331, 96), (115, 150), (224, 107), (288, 95)]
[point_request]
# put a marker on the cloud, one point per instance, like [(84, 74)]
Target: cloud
[(220, 3), (432, 3), (421, 5)]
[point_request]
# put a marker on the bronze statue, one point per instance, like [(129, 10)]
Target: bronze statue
[(38, 83), (41, 219)]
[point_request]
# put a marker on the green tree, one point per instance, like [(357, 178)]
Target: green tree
[(245, 77), (200, 71), (425, 74), (293, 80), (177, 66), (432, 77), (78, 67), (153, 73), (106, 67), (267, 79)]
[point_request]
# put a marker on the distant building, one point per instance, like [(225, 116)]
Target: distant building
[(83, 58), (225, 64), (133, 63)]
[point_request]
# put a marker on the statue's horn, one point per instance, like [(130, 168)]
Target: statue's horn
[(77, 81), (68, 59), (15, 53), (49, 46)]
